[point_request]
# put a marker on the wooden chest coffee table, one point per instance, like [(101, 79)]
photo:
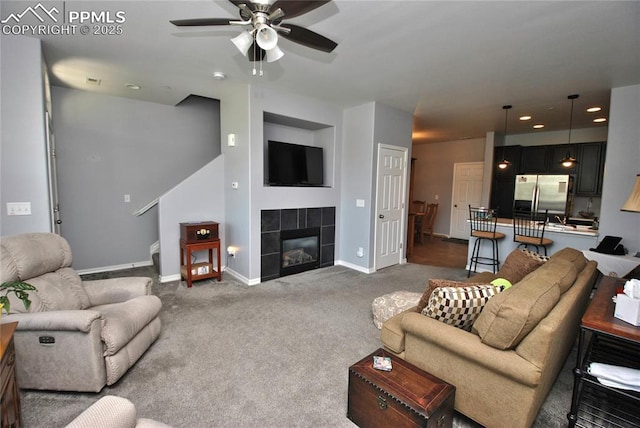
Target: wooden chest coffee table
[(406, 396)]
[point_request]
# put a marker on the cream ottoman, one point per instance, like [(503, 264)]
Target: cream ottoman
[(384, 307)]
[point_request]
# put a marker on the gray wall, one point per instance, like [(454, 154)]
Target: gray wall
[(108, 147), (263, 99), (434, 173), (196, 199), (23, 157), (358, 183), (622, 165)]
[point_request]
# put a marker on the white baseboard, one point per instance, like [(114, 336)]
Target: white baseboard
[(354, 266), (114, 267), (169, 278), (240, 277)]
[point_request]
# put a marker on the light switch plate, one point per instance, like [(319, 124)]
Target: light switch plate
[(359, 202), (18, 208)]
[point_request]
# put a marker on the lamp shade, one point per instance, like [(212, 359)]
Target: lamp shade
[(243, 42), (266, 37), (633, 202), (274, 54)]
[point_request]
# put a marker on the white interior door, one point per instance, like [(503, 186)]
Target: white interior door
[(390, 205), (467, 190)]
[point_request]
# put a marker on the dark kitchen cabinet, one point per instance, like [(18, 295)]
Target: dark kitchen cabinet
[(510, 153), (534, 159), (502, 192), (590, 169)]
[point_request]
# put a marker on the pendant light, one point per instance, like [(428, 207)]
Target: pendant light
[(569, 161), (504, 163)]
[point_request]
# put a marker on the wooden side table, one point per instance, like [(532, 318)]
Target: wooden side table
[(10, 398), (609, 340), (202, 270)]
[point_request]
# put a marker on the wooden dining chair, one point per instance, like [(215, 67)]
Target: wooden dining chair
[(429, 219), (528, 229), (419, 209)]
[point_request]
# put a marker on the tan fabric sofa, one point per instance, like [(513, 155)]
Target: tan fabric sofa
[(77, 335), (113, 412), (504, 368)]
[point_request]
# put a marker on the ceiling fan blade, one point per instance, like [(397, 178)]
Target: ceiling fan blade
[(308, 38), (293, 8), (201, 22)]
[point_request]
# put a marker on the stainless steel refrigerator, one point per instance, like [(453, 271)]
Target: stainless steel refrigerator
[(537, 193)]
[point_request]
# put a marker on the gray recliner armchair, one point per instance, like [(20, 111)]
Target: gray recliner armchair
[(77, 335)]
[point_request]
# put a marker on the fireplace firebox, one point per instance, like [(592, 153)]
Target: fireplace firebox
[(299, 250)]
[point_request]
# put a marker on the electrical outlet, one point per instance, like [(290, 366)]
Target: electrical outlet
[(127, 198)]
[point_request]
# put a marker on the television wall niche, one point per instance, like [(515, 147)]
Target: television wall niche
[(302, 133)]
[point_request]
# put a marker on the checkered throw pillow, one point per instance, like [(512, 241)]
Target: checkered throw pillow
[(459, 306)]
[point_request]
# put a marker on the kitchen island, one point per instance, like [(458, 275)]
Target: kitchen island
[(578, 237)]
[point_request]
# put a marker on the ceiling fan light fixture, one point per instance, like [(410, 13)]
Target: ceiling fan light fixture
[(266, 37), (274, 54), (243, 42)]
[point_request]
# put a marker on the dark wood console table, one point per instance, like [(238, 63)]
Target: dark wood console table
[(9, 394), (202, 270), (609, 340)]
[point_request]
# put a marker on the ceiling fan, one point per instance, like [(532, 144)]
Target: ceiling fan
[(264, 18)]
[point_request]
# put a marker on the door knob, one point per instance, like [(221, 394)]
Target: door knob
[(381, 216)]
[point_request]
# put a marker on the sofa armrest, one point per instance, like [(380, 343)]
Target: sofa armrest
[(68, 320), (469, 347), (108, 412), (392, 334), (116, 290)]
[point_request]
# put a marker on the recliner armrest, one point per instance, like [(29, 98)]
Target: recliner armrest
[(116, 290), (68, 320)]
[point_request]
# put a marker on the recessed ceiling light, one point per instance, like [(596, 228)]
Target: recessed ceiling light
[(594, 109), (538, 126), (600, 120), (219, 75), (525, 117), (132, 86)]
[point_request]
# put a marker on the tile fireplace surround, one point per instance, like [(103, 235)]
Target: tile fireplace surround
[(275, 221)]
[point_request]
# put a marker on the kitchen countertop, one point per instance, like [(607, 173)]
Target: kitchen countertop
[(557, 228)]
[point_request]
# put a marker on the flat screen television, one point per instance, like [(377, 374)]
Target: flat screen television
[(295, 165)]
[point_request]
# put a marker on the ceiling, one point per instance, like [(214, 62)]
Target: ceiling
[(453, 64)]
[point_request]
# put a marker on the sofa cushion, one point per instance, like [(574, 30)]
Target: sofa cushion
[(30, 255), (519, 263), (56, 291), (432, 284), (459, 306), (573, 257), (388, 305), (511, 315)]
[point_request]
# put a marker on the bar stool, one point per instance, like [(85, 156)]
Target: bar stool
[(528, 229), (483, 223)]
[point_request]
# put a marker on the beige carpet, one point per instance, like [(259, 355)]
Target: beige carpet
[(272, 355)]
